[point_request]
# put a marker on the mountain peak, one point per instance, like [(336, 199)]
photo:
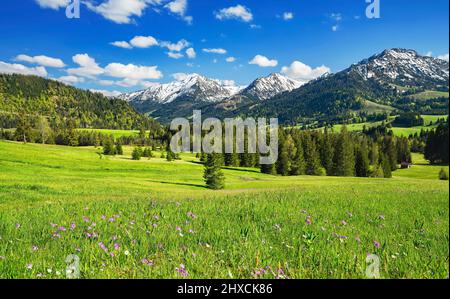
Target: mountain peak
[(267, 87)]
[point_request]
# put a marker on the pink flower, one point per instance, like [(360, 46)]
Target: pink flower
[(147, 262), (344, 223), (308, 220), (182, 271), (29, 266), (178, 229), (73, 226)]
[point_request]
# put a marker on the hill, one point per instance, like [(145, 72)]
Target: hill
[(31, 95)]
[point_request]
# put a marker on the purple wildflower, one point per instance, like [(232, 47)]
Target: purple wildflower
[(376, 244), (182, 271)]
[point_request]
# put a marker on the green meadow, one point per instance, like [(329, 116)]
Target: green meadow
[(155, 219)]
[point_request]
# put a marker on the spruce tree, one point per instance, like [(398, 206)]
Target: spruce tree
[(326, 152), (344, 156), (386, 166), (213, 174), (362, 163), (312, 157)]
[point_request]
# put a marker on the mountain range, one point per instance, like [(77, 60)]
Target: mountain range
[(378, 84)]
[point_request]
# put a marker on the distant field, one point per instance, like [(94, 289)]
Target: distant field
[(426, 95), (115, 133), (398, 131), (144, 219)]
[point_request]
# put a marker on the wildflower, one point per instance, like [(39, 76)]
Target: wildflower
[(73, 226), (49, 271), (62, 228), (344, 223), (178, 229), (56, 235), (116, 246), (86, 219), (102, 246), (381, 217), (112, 219), (376, 244), (103, 217), (35, 248), (18, 226), (156, 217), (29, 266), (303, 212), (155, 225), (147, 262), (350, 214), (191, 231), (126, 252), (308, 220), (358, 239), (53, 225), (182, 271), (277, 227), (58, 273)]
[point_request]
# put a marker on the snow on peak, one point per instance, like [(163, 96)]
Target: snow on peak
[(270, 86)]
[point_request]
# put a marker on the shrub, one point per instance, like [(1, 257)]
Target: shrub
[(137, 154), (443, 175)]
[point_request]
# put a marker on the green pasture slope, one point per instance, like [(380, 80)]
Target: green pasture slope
[(144, 219)]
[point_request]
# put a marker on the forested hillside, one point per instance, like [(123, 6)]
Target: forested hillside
[(35, 96)]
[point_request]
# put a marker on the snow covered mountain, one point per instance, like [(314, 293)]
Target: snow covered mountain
[(404, 68), (193, 86), (268, 87)]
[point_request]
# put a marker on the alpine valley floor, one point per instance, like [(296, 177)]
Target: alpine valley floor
[(155, 219)]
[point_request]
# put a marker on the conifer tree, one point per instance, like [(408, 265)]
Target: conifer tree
[(362, 163), (344, 157), (213, 174), (386, 166), (312, 157)]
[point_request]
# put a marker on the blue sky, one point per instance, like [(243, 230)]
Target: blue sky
[(301, 38)]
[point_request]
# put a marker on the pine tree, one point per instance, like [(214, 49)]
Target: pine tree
[(137, 153), (108, 148), (344, 156), (386, 166), (119, 149), (312, 157), (298, 164), (213, 174), (362, 163), (326, 153)]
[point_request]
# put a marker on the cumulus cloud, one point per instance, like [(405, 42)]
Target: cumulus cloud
[(179, 7), (71, 80), (443, 57), (120, 11), (230, 59), (133, 72), (238, 12), (88, 66), (191, 53), (215, 51), (107, 93), (263, 61), (143, 41), (42, 60), (8, 68), (288, 16), (304, 73), (122, 44), (53, 4), (177, 47)]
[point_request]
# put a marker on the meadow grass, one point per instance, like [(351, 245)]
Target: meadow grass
[(144, 219)]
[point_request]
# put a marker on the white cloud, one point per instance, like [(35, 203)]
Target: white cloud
[(263, 61), (8, 68), (216, 51), (238, 12), (179, 7), (143, 41), (444, 57), (175, 55), (120, 11), (71, 79), (88, 66), (191, 53), (288, 16), (254, 26), (107, 93), (53, 4), (179, 46), (230, 59), (302, 72), (42, 60), (106, 82), (429, 54), (133, 72), (122, 44), (180, 76)]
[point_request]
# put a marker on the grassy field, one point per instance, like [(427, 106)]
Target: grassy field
[(115, 133), (155, 219), (398, 131)]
